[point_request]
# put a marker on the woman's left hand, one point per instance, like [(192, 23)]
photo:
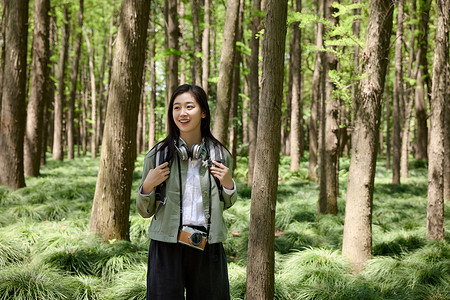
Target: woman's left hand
[(221, 172)]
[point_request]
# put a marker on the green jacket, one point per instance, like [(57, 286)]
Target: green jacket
[(164, 226)]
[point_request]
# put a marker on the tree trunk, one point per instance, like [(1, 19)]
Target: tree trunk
[(398, 95), (357, 240), (12, 126), (197, 39), (224, 85), (38, 90), (152, 118), (73, 89), (421, 104), (253, 84), (388, 125), (173, 32), (236, 88), (409, 100), (205, 46), (185, 47), (111, 207), (245, 115), (315, 104), (58, 138), (447, 144), (94, 106), (84, 115), (260, 267), (296, 108), (435, 203), (329, 180)]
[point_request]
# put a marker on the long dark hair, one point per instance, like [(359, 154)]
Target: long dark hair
[(173, 132)]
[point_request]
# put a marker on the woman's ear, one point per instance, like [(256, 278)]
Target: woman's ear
[(203, 114)]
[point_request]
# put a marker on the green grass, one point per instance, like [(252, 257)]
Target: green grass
[(46, 251)]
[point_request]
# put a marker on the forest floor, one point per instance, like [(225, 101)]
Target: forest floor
[(47, 253)]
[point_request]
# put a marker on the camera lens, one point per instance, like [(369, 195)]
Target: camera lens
[(196, 239)]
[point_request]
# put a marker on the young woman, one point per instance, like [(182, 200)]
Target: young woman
[(186, 185)]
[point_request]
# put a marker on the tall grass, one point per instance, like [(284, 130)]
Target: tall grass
[(46, 251)]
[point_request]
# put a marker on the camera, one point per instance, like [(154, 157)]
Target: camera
[(192, 237)]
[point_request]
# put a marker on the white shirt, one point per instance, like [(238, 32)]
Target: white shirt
[(193, 213)]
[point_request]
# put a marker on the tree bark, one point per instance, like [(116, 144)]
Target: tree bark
[(224, 85), (388, 126), (447, 144), (398, 95), (409, 100), (421, 104), (357, 240), (94, 106), (38, 90), (236, 88), (173, 32), (253, 85), (296, 103), (328, 179), (197, 39), (58, 138), (152, 118), (73, 90), (12, 126), (435, 203), (111, 207), (315, 103), (205, 46), (260, 267)]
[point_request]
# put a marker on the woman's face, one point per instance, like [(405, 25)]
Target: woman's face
[(187, 114)]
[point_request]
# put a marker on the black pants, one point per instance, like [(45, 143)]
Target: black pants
[(174, 268)]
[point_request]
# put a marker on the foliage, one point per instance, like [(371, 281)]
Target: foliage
[(47, 253)]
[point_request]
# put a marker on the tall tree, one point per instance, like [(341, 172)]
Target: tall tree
[(409, 98), (447, 145), (12, 122), (94, 104), (435, 207), (253, 89), (261, 260), (296, 100), (235, 91), (73, 88), (398, 95), (224, 85), (315, 99), (173, 34), (111, 207), (205, 45), (197, 37), (38, 90), (357, 240), (328, 178), (152, 118), (422, 77), (58, 141)]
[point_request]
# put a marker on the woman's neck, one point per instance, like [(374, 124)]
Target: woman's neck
[(192, 139)]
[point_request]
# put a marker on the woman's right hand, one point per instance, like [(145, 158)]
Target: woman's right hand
[(155, 177)]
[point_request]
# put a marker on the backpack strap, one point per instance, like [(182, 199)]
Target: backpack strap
[(216, 154), (160, 190)]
